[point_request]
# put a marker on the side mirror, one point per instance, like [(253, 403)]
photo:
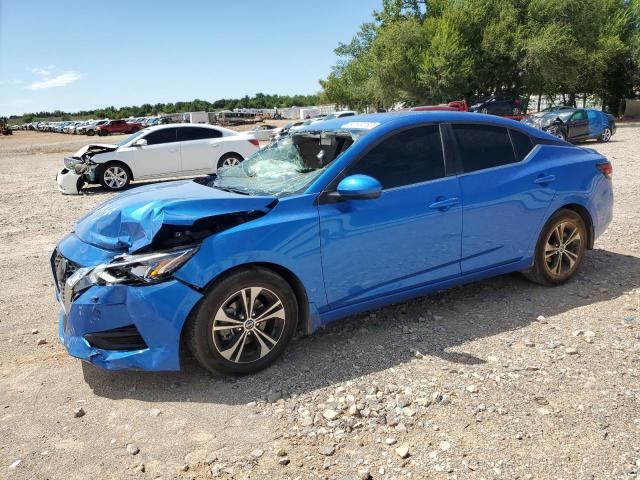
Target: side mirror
[(359, 187), (141, 142)]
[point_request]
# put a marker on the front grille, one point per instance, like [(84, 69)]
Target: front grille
[(123, 338), (62, 269)]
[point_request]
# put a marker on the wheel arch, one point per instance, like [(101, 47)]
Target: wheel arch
[(586, 218), (104, 164), (305, 320)]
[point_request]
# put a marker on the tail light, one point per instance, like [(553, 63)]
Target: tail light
[(254, 141), (606, 169)]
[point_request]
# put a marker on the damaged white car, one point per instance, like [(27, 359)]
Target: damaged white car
[(155, 152)]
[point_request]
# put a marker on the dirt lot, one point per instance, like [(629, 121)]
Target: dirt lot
[(513, 380)]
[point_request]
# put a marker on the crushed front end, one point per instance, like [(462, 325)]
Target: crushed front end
[(80, 169), (117, 325), (117, 276)]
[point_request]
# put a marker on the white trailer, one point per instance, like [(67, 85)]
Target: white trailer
[(195, 117)]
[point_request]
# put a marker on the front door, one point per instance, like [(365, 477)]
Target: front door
[(409, 236), (160, 156), (578, 125)]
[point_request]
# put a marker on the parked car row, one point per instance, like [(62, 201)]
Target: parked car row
[(95, 127)]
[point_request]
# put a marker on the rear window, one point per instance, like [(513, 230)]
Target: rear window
[(483, 146), (521, 143), (186, 134)]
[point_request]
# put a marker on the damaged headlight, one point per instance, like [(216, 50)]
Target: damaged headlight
[(141, 269), (75, 164)]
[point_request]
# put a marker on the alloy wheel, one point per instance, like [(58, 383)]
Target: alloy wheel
[(115, 177), (606, 135), (562, 249), (230, 162), (248, 325)]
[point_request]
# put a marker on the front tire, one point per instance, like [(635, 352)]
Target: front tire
[(558, 133), (244, 323), (560, 249), (91, 133), (114, 176)]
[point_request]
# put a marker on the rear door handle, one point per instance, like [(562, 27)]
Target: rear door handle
[(443, 204), (542, 179)]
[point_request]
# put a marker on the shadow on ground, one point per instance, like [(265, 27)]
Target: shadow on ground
[(363, 344)]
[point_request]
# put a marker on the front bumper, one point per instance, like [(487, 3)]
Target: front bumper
[(69, 182), (156, 313)]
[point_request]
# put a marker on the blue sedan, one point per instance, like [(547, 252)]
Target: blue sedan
[(340, 217)]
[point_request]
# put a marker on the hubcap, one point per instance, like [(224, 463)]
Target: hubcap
[(230, 162), (248, 325), (115, 177), (562, 250)]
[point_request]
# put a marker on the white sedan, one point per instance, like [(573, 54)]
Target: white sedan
[(162, 151)]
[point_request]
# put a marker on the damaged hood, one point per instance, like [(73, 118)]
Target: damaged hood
[(94, 148), (131, 220)]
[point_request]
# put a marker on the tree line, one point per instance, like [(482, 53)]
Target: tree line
[(259, 100), (430, 51)]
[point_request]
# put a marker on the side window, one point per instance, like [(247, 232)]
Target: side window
[(164, 135), (408, 157), (483, 146), (578, 116), (521, 143), (186, 134)]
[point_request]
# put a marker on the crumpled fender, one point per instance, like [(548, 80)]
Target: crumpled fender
[(132, 219)]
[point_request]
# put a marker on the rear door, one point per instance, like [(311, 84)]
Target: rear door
[(200, 148), (505, 195), (160, 156), (409, 236)]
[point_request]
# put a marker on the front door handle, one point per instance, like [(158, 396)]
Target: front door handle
[(543, 179), (443, 203)]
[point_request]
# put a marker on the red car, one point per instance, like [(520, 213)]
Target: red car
[(457, 106), (118, 126)]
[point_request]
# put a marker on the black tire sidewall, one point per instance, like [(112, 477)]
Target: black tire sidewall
[(199, 330), (561, 215)]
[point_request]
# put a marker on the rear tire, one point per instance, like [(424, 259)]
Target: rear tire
[(91, 133), (605, 136), (229, 160), (560, 249), (244, 322)]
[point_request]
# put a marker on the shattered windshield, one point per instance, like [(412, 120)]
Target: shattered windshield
[(287, 165)]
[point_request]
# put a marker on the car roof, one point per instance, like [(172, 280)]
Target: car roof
[(153, 128), (413, 117)]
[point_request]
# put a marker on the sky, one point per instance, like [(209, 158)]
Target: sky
[(73, 55)]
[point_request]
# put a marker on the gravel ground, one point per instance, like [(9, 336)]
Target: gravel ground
[(500, 379)]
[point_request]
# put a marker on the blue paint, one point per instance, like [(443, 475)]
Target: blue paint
[(349, 255)]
